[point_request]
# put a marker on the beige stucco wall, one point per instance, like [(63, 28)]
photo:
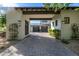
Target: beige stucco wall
[(13, 16), (58, 18), (66, 28)]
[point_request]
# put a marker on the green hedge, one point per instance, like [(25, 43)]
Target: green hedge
[(55, 33)]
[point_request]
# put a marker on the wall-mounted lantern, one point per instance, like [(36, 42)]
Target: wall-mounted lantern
[(66, 20)]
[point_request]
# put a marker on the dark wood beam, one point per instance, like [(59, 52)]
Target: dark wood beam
[(40, 18), (40, 12)]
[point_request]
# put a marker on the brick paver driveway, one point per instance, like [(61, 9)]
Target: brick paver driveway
[(38, 44)]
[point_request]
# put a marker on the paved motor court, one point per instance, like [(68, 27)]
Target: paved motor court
[(38, 44)]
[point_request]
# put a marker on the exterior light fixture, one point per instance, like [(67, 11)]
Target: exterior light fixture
[(66, 20)]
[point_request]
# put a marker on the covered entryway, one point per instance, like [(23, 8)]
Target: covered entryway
[(24, 15), (41, 15)]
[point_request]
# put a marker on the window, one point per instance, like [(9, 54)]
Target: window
[(67, 20), (56, 22)]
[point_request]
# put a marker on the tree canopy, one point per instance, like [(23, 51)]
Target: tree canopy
[(2, 20), (56, 6)]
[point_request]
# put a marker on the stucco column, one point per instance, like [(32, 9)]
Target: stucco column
[(13, 16)]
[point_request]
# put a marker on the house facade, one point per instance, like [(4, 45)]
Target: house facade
[(61, 20)]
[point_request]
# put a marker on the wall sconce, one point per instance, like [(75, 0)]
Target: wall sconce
[(19, 23), (66, 20)]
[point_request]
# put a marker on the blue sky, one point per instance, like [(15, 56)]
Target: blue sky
[(31, 5), (22, 5), (74, 5)]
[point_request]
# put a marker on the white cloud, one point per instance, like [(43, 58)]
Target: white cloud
[(8, 4)]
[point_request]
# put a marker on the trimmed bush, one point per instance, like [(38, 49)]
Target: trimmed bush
[(50, 31), (55, 33)]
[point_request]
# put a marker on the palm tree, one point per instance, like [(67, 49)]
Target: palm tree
[(56, 6)]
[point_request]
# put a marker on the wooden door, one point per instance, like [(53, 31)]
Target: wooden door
[(36, 29), (44, 28)]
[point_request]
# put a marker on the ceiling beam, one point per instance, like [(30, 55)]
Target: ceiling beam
[(38, 10)]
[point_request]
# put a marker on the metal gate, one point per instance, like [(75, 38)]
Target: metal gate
[(26, 27)]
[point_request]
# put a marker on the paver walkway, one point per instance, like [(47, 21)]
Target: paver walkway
[(38, 45)]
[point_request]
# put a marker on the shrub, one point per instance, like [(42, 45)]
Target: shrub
[(54, 32), (74, 28), (65, 41), (50, 31)]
